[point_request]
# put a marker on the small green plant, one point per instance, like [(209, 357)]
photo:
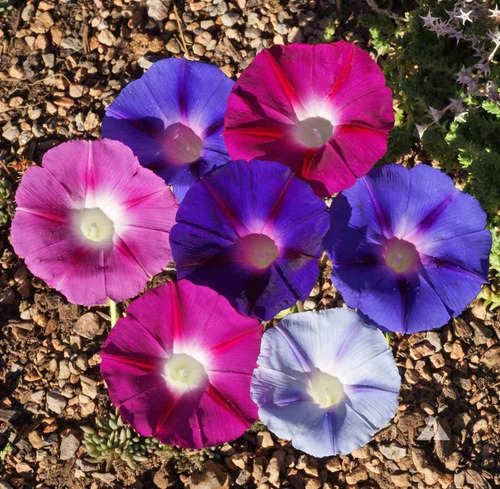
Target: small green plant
[(6, 201), (114, 441), (6, 450), (6, 5)]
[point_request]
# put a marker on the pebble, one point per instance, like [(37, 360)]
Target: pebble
[(87, 325), (207, 24), (106, 478), (64, 372), (158, 9), (89, 386), (16, 72), (198, 49), (457, 351), (461, 329), (76, 91), (48, 59), (392, 451), (252, 33), (28, 12), (334, 465), (11, 134), (431, 475), (421, 350), (243, 477), (72, 44), (264, 439), (106, 37), (42, 23), (230, 18), (401, 480), (295, 35), (173, 46), (69, 446), (491, 357), (204, 38), (56, 402), (144, 63), (357, 475)]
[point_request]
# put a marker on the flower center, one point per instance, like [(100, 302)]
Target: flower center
[(401, 255), (325, 389), (256, 251), (183, 372), (182, 144), (314, 131), (96, 226)]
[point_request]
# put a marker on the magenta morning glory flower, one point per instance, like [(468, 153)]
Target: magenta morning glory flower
[(252, 232), (326, 381), (92, 222), (179, 366), (408, 249), (323, 110), (172, 119)]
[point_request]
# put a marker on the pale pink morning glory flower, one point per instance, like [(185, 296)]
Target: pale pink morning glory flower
[(92, 222)]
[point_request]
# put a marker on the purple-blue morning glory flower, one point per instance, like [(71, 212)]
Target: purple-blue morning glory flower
[(325, 380), (409, 250), (252, 232), (172, 119)]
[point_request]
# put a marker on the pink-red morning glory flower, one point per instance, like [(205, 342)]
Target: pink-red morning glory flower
[(253, 232), (323, 110), (172, 118), (179, 366), (92, 222), (409, 250), (326, 381)]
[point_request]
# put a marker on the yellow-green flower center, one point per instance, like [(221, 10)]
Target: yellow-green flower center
[(183, 372), (325, 389), (401, 255), (257, 251)]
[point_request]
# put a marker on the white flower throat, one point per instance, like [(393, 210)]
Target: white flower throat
[(96, 226), (183, 372)]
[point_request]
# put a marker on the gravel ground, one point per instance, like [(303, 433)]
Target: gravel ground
[(61, 64)]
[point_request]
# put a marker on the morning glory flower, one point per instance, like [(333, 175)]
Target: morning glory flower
[(253, 232), (172, 119), (324, 110), (409, 250), (92, 223), (326, 381), (179, 365)]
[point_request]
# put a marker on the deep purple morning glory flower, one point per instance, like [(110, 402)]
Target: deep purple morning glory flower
[(253, 232), (409, 250), (325, 380), (172, 120)]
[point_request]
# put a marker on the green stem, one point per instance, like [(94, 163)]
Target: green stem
[(388, 338), (113, 313)]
